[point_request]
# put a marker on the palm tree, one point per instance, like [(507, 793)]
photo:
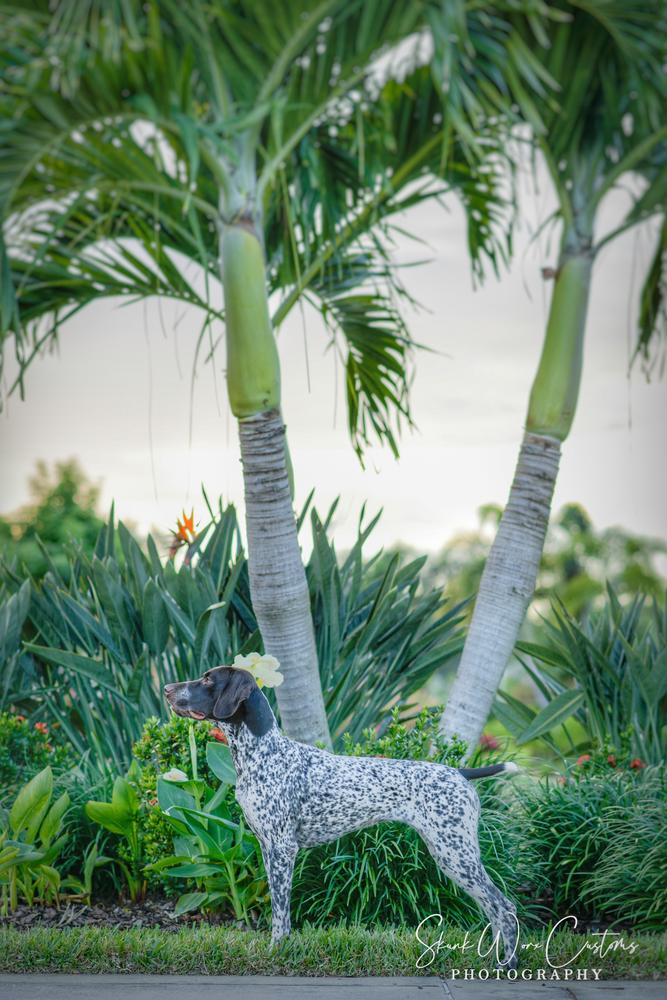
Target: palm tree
[(607, 124), (209, 131)]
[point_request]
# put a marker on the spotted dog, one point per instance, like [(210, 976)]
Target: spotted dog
[(294, 795)]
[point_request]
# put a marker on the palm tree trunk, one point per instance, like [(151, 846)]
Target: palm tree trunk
[(278, 585), (510, 573)]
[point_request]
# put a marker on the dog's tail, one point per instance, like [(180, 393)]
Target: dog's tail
[(489, 772)]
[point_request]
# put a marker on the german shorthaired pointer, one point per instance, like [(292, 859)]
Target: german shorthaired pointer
[(294, 795)]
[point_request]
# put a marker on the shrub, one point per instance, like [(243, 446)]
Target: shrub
[(26, 747), (162, 747), (609, 673), (596, 840), (629, 883), (385, 874)]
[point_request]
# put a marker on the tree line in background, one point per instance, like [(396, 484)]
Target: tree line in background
[(272, 145)]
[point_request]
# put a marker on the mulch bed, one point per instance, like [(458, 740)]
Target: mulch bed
[(150, 913)]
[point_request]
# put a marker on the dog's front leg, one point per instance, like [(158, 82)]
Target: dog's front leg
[(279, 860)]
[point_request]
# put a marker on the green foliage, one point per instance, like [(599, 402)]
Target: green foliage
[(30, 842), (212, 846), (165, 745), (379, 637), (629, 883), (596, 844), (577, 562), (104, 642), (421, 741), (278, 115), (121, 816), (608, 673), (162, 747), (606, 123), (62, 510), (83, 886), (25, 749), (385, 874)]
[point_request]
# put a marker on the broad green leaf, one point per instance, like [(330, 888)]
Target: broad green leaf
[(190, 901), (194, 870), (53, 820), (219, 759), (108, 816), (31, 804), (124, 798)]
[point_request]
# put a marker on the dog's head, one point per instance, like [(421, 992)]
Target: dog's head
[(223, 694), (220, 694)]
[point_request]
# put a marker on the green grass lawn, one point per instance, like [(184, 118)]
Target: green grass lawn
[(313, 952)]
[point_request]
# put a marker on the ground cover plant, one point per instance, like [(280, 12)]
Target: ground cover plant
[(596, 838)]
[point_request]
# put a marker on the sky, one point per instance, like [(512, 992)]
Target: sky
[(117, 396)]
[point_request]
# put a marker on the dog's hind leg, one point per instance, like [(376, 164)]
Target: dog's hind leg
[(460, 860)]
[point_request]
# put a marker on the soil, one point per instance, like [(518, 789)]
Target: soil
[(150, 913)]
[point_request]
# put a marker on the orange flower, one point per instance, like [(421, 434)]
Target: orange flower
[(185, 532), (20, 718), (189, 522), (41, 727), (637, 764), (611, 760), (218, 735), (562, 780), (488, 742), (584, 759)]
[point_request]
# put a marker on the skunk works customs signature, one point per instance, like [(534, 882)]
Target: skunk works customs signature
[(557, 965)]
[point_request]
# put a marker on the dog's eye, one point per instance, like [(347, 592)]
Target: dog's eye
[(206, 680)]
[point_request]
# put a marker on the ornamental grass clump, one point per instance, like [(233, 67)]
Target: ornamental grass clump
[(596, 838)]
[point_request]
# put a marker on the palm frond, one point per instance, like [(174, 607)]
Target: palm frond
[(653, 304)]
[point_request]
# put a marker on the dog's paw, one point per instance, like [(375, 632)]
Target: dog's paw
[(511, 964)]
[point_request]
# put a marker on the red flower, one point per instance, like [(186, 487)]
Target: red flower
[(637, 764), (611, 760), (562, 780), (41, 727), (20, 718), (584, 759), (488, 742), (218, 735)]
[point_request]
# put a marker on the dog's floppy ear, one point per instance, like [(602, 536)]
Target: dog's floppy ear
[(239, 686)]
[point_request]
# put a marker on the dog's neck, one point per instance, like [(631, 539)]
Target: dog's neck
[(249, 727)]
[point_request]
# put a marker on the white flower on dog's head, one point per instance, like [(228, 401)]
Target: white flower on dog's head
[(265, 669), (175, 775)]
